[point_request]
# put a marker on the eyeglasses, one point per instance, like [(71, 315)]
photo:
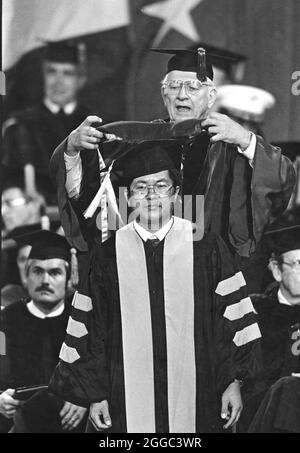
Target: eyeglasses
[(140, 190), (294, 264), (191, 86), (14, 203)]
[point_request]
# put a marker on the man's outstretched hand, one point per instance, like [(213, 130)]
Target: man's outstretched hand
[(227, 130), (85, 136)]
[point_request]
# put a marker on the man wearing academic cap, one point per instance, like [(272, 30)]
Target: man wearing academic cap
[(171, 331), (245, 181), (34, 332), (279, 320), (31, 135)]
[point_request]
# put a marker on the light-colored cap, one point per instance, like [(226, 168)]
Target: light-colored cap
[(245, 102)]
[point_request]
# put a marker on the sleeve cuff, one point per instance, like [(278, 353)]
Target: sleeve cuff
[(250, 151), (71, 161)]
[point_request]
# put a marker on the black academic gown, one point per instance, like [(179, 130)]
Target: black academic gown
[(240, 200), (30, 136), (32, 344), (277, 322), (32, 351), (99, 372)]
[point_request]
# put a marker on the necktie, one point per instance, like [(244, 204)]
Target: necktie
[(153, 242)]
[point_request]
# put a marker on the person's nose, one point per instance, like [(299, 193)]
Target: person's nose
[(150, 193), (182, 93), (45, 278)]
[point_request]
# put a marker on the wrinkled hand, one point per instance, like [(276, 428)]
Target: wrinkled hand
[(226, 130), (99, 415), (71, 415), (85, 136), (8, 405), (231, 400)]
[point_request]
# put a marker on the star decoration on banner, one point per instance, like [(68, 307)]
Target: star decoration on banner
[(176, 14)]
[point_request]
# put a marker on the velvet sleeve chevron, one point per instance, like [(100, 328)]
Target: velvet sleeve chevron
[(81, 375), (237, 334)]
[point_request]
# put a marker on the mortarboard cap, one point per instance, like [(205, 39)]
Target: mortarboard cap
[(185, 60), (245, 102), (147, 158), (232, 63), (283, 235), (61, 52), (45, 245)]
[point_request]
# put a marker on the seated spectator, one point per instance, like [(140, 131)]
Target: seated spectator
[(31, 135), (279, 319), (16, 282), (17, 209), (34, 334)]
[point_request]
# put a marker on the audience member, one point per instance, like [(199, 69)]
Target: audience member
[(34, 333), (30, 136)]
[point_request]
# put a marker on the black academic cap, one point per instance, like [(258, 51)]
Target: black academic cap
[(289, 149), (45, 245), (32, 228), (147, 158), (221, 58), (283, 235), (61, 52), (185, 60)]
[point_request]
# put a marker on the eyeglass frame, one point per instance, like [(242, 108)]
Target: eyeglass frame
[(152, 187), (14, 203), (165, 84)]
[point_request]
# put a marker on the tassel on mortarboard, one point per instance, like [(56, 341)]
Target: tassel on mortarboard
[(74, 268), (201, 69)]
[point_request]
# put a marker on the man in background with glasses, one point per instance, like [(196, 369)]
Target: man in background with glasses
[(279, 320)]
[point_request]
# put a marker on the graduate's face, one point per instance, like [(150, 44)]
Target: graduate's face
[(287, 273), (184, 105), (46, 281), (62, 82), (155, 208), (15, 208)]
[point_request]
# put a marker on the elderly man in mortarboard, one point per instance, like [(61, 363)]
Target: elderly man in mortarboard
[(171, 331), (245, 181), (31, 135), (34, 332), (279, 320)]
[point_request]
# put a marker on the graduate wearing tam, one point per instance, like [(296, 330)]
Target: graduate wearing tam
[(31, 135), (245, 181), (34, 333), (170, 329)]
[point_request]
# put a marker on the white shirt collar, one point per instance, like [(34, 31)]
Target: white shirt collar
[(160, 234), (282, 299), (35, 311), (54, 108)]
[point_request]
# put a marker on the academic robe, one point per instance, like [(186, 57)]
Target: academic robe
[(30, 136), (32, 352), (279, 325), (240, 200), (32, 345), (159, 332)]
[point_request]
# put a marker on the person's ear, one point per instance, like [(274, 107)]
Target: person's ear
[(164, 97), (212, 95), (127, 197), (275, 269)]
